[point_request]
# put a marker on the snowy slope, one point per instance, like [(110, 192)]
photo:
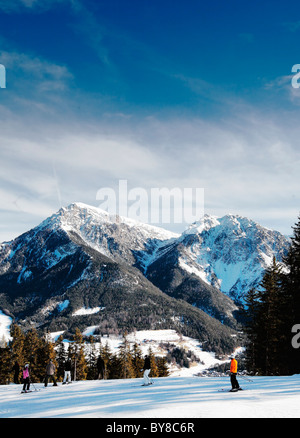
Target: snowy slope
[(158, 341), (170, 397)]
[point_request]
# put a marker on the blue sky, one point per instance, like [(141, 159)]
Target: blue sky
[(160, 93)]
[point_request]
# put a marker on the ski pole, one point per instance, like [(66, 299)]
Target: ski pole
[(31, 383), (33, 386), (246, 378)]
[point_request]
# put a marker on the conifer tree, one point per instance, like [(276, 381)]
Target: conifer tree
[(252, 324), (50, 352), (154, 369), (31, 347), (106, 355), (271, 318), (125, 359), (5, 365), (43, 353), (16, 344), (80, 371), (266, 324), (115, 368), (61, 357), (291, 287), (137, 360), (91, 359), (292, 279), (162, 367)]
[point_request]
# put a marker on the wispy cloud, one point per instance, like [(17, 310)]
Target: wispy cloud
[(86, 23), (283, 85), (60, 144), (247, 163), (90, 28), (42, 74)]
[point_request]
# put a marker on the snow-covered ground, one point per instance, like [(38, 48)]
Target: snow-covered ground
[(168, 397), (5, 323)]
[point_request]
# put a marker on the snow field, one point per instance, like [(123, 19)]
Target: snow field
[(169, 397)]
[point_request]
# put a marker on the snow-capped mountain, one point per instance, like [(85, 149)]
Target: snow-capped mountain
[(80, 258), (112, 235), (231, 253), (135, 275)]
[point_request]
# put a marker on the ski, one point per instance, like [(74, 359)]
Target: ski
[(26, 392), (138, 386), (230, 390), (147, 384)]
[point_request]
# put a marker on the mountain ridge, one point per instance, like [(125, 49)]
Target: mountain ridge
[(141, 276)]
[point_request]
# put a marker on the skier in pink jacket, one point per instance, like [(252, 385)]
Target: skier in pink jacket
[(26, 378)]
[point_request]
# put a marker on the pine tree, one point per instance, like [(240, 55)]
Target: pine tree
[(153, 365), (61, 357), (266, 324), (271, 318), (137, 360), (115, 368), (125, 359), (292, 279), (5, 365), (31, 346), (291, 287), (91, 359), (162, 366), (251, 317), (16, 344), (42, 357), (106, 355), (50, 352), (80, 367)]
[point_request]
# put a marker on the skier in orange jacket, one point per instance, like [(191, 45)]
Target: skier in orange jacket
[(233, 372)]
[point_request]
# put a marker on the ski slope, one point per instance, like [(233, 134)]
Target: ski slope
[(169, 397)]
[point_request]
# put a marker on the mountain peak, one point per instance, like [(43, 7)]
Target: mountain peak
[(205, 223), (79, 214), (234, 222)]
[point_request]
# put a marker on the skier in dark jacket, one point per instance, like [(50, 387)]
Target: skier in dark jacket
[(16, 369), (50, 371), (100, 368), (147, 369), (67, 375)]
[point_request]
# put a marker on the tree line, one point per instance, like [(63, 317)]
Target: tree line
[(272, 311), (36, 350)]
